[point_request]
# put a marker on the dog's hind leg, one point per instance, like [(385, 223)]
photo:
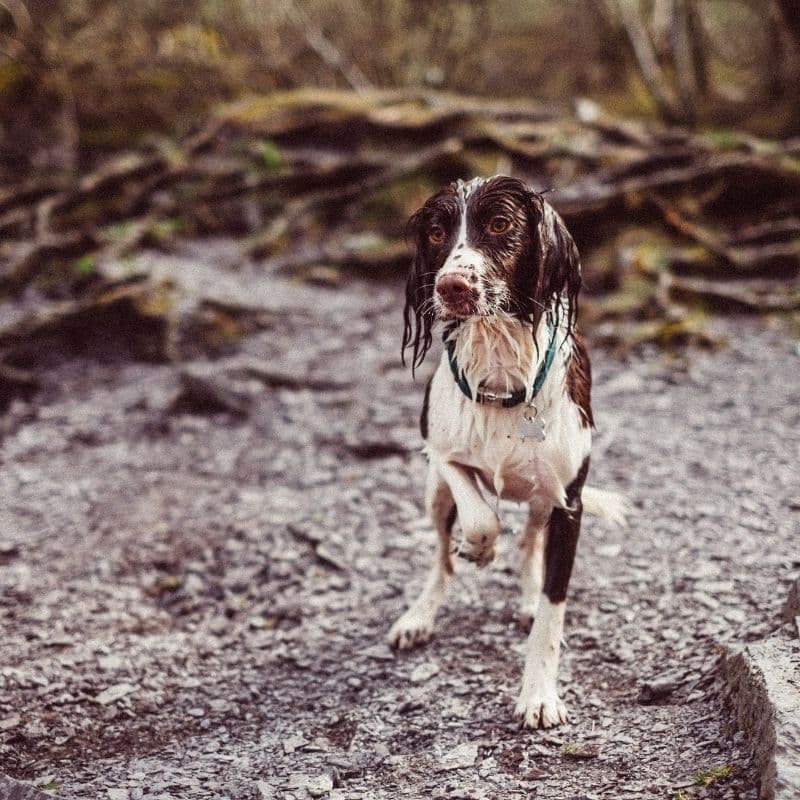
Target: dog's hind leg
[(416, 625), (532, 545)]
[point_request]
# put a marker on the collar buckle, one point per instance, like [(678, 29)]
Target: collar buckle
[(485, 396)]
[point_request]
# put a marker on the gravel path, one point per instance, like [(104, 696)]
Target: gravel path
[(193, 605)]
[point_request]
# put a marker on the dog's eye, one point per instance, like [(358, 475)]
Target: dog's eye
[(499, 224), (436, 234)]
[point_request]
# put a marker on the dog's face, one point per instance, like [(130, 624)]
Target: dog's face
[(486, 247)]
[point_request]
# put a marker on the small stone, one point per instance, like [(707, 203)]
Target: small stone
[(323, 275), (293, 743), (706, 600), (193, 584), (737, 616), (206, 393), (379, 652), (622, 738), (265, 791), (424, 672), (460, 757), (584, 751), (659, 727), (488, 767), (10, 722), (110, 662), (318, 786), (114, 693), (117, 794), (218, 625), (657, 691)]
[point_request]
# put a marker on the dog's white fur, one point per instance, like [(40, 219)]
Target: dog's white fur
[(475, 450), (467, 439)]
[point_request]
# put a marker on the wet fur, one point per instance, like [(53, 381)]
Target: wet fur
[(540, 264), (518, 272)]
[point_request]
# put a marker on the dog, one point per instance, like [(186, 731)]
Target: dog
[(508, 411)]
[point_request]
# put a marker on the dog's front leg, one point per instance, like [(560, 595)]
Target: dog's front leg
[(532, 545), (479, 524), (539, 704), (416, 625)]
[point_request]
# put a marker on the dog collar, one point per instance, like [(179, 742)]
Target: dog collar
[(506, 399)]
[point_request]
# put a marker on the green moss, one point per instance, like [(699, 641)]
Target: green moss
[(270, 155), (158, 78), (714, 774), (117, 231), (725, 140), (633, 294), (652, 257), (85, 265), (257, 108), (167, 228)]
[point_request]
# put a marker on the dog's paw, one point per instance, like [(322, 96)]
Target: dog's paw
[(411, 630), (479, 551), (540, 711)]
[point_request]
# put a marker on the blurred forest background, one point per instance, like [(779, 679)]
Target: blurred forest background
[(86, 76), (667, 130)]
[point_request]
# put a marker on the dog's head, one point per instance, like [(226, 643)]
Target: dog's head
[(487, 247)]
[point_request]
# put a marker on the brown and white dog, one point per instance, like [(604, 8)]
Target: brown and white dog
[(508, 411)]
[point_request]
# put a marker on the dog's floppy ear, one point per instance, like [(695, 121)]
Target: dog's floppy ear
[(418, 314), (557, 265), (418, 311)]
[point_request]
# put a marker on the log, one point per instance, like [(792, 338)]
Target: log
[(309, 174)]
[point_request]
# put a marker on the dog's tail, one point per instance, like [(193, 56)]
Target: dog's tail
[(610, 506)]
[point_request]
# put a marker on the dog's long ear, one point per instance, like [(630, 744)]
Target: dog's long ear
[(418, 315), (562, 265), (557, 265)]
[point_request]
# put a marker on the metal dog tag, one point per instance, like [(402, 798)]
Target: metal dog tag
[(530, 426)]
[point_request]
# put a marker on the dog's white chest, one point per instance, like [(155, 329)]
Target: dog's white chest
[(501, 446)]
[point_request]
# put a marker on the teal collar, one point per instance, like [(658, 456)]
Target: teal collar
[(510, 399)]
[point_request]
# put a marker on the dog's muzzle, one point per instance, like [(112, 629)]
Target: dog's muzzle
[(457, 294)]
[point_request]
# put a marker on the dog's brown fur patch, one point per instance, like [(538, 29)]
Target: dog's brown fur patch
[(579, 380)]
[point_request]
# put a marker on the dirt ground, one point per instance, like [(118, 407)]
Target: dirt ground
[(193, 603)]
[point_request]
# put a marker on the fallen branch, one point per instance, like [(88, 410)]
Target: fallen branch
[(322, 181), (753, 297)]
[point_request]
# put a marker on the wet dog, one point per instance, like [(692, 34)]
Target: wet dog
[(508, 411)]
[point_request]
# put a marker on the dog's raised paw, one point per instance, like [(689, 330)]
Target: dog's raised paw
[(540, 712), (479, 552)]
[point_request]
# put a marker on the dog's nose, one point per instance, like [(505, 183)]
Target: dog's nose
[(453, 288)]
